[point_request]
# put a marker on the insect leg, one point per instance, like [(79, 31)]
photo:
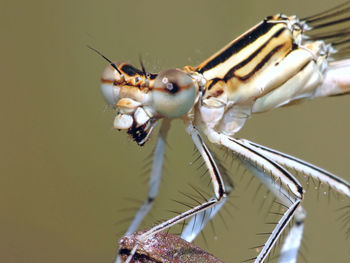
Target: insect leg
[(155, 178), (275, 177), (337, 183), (154, 182), (218, 185), (199, 222), (292, 242)]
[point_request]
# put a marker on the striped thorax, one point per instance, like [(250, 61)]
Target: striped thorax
[(271, 65)]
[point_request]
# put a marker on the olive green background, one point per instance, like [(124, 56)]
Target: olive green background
[(66, 177)]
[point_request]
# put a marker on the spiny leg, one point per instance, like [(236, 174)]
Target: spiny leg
[(154, 182), (155, 178), (218, 185), (292, 242), (335, 182), (276, 177), (199, 221)]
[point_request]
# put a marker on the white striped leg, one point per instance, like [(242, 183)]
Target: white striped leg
[(337, 183), (155, 178), (291, 244), (218, 185), (279, 177), (199, 222), (154, 182), (293, 240)]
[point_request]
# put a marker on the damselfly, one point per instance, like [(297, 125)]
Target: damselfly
[(281, 61)]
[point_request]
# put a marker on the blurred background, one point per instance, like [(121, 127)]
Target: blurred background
[(68, 181)]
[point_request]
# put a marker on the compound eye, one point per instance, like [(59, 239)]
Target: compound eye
[(109, 90), (174, 93)]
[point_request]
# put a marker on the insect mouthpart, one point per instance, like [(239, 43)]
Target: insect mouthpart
[(135, 118), (141, 133)]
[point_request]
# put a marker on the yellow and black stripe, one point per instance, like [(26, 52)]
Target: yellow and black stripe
[(246, 56)]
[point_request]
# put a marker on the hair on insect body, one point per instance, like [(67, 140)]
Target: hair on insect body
[(281, 61)]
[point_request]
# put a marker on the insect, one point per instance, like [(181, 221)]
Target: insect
[(281, 61)]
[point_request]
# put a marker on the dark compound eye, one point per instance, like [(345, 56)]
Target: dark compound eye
[(174, 93)]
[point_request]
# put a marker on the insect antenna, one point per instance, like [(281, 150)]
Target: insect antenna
[(110, 62), (142, 66)]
